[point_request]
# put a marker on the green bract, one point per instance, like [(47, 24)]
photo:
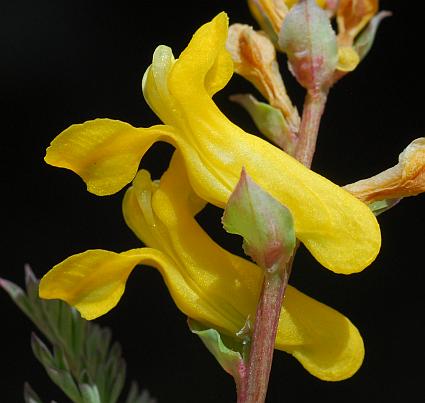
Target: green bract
[(265, 224)]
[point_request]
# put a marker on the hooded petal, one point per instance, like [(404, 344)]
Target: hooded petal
[(338, 230)]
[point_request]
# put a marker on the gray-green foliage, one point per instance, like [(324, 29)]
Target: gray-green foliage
[(83, 361)]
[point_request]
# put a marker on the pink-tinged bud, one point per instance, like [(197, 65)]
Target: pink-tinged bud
[(310, 43)]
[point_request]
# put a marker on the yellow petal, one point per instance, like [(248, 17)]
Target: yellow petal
[(105, 153), (325, 342), (339, 231), (93, 281), (155, 89), (348, 58)]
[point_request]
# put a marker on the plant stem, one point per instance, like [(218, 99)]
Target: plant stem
[(252, 387), (264, 336), (314, 106)]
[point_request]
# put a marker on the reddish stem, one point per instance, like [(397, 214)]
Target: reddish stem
[(254, 389), (314, 106), (253, 383)]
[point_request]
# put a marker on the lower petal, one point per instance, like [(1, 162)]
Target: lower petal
[(94, 281), (323, 340)]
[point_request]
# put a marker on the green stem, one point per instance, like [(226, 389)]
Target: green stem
[(252, 387)]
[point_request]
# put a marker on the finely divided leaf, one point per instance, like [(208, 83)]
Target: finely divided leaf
[(83, 361)]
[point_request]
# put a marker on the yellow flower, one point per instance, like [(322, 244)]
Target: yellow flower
[(206, 282), (339, 230)]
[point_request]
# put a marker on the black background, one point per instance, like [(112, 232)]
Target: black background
[(65, 62)]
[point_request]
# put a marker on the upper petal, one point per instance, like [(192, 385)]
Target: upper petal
[(94, 281), (339, 230), (205, 65), (324, 341)]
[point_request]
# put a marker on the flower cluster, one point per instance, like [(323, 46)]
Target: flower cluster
[(352, 17), (207, 283)]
